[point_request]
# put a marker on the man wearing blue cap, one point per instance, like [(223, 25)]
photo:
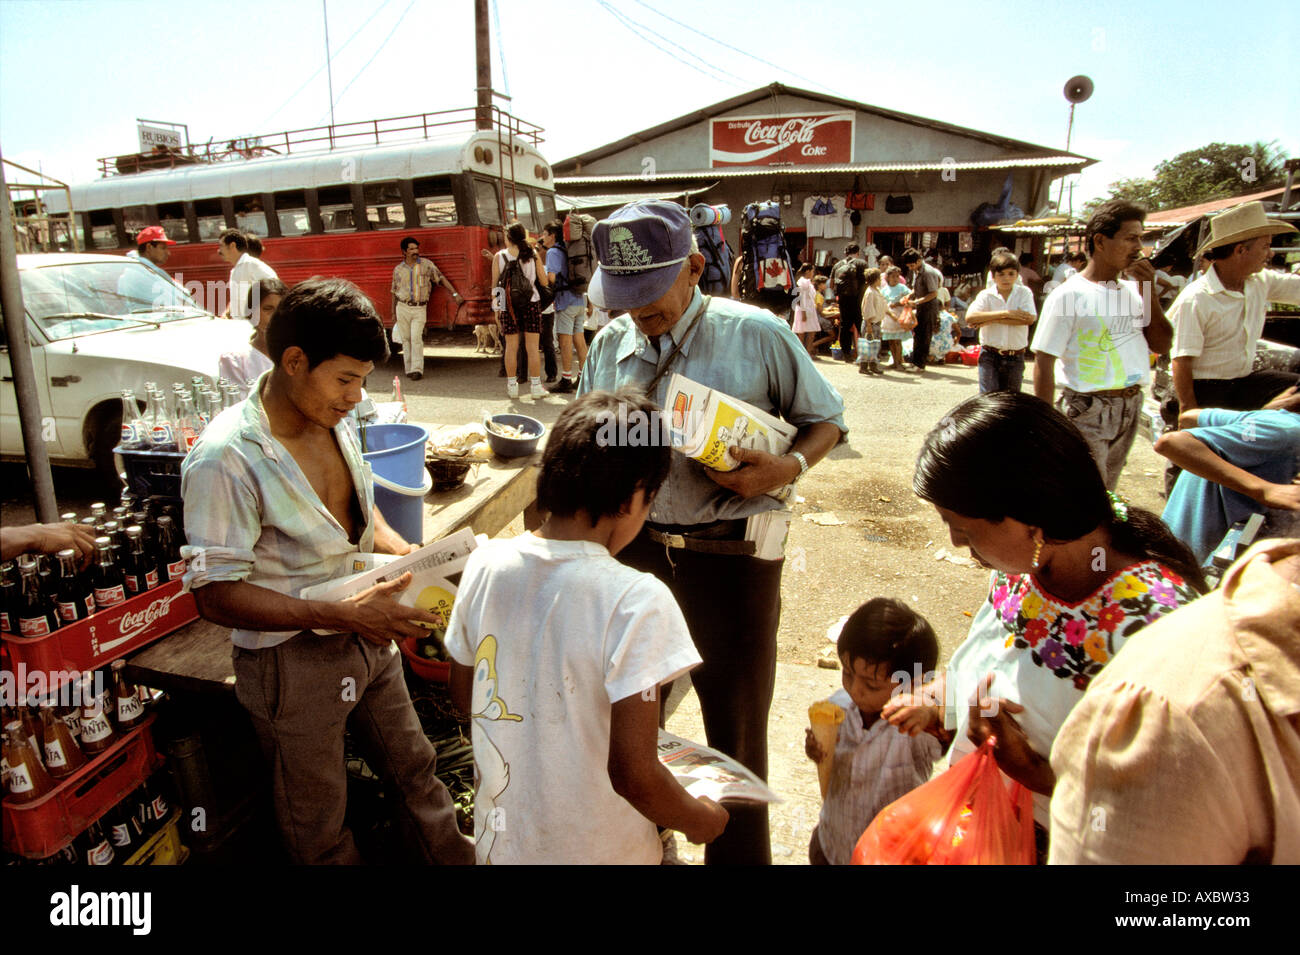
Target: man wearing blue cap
[(699, 539)]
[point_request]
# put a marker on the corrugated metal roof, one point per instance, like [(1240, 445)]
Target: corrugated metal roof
[(737, 172), (1187, 214), (621, 198)]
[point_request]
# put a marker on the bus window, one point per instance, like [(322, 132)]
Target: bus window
[(212, 220), (523, 207), (434, 200), (171, 216), (487, 201), (545, 207), (336, 208), (103, 232), (134, 218), (291, 210), (250, 216), (384, 205)]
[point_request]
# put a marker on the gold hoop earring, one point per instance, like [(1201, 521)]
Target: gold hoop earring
[(1038, 549)]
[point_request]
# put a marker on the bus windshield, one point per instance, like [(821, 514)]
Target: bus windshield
[(84, 297)]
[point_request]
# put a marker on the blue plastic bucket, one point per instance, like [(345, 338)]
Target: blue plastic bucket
[(396, 456)]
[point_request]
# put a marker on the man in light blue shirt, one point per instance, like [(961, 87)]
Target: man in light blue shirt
[(277, 495), (699, 539)]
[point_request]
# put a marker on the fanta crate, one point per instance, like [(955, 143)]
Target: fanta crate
[(102, 637), (152, 473), (164, 846), (42, 827)]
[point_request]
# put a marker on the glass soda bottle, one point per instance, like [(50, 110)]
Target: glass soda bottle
[(8, 597), (95, 847), (96, 731), (124, 829), (62, 755), (35, 617), (25, 779), (187, 424), (171, 565), (161, 435), (73, 595), (139, 573), (107, 585), (135, 433), (129, 709)]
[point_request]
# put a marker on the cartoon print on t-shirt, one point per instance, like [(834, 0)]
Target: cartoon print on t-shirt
[(491, 771)]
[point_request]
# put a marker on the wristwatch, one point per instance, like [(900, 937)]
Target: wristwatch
[(803, 464)]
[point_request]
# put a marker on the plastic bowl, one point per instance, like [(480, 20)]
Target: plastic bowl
[(435, 671), (515, 447)]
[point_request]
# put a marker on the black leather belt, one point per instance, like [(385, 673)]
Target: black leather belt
[(416, 304), (1128, 392), (1006, 352), (718, 537)]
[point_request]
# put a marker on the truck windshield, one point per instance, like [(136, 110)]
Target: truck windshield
[(81, 298)]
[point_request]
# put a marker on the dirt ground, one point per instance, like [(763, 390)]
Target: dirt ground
[(876, 538)]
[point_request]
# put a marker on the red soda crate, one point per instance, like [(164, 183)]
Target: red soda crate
[(101, 638), (42, 827)]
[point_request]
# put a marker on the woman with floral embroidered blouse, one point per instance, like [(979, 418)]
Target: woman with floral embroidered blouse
[(1076, 572)]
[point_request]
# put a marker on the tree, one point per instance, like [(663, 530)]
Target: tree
[(1216, 171)]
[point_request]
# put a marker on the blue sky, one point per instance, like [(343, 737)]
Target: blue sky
[(1170, 76)]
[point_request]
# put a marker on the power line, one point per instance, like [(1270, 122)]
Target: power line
[(335, 56), (711, 66), (378, 51), (737, 49), (626, 23)]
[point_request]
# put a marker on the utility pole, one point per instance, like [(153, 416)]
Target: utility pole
[(20, 364), (329, 70), (482, 66)]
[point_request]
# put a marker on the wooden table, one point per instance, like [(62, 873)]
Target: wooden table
[(196, 658)]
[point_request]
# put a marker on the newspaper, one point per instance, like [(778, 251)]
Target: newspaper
[(705, 423), (431, 566), (706, 772)]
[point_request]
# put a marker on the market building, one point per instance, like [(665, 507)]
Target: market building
[(925, 180)]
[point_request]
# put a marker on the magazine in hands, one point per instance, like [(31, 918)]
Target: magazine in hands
[(706, 772)]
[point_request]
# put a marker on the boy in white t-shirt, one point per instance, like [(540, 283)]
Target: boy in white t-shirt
[(1003, 315), (1102, 328), (558, 651)]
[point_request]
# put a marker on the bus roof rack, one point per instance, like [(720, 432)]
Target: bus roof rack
[(370, 132)]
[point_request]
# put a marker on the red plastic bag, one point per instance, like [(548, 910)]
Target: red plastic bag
[(964, 816)]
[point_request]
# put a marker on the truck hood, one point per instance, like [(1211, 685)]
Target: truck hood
[(192, 344)]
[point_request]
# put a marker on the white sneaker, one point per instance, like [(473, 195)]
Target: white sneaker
[(512, 388), (538, 390)]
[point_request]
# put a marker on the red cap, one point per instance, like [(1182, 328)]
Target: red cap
[(153, 233)]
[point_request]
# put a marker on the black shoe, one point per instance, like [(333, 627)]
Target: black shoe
[(415, 375), (864, 369), (564, 387)]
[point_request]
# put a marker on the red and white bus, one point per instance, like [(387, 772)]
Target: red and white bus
[(333, 201)]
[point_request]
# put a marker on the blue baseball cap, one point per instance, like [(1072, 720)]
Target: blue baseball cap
[(640, 250)]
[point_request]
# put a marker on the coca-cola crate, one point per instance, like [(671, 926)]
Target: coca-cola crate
[(42, 827), (152, 473), (102, 637)]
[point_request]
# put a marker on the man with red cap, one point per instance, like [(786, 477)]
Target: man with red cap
[(137, 287)]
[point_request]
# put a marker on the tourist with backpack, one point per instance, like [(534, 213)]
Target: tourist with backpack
[(516, 299), (569, 306), (849, 279)]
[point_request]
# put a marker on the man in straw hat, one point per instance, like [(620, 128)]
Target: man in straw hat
[(1219, 316), (711, 534)]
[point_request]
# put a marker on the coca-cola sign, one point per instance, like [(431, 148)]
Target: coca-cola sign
[(133, 624), (804, 139)]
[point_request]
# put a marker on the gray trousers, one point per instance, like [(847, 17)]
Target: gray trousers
[(1108, 423), (301, 695)]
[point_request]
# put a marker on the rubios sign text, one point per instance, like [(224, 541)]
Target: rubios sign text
[(771, 140)]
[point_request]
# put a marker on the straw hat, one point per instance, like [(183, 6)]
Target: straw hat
[(1246, 221)]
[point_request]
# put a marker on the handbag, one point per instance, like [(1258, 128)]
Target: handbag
[(856, 200), (897, 205)]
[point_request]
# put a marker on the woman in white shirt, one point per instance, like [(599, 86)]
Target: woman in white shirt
[(527, 320), (806, 325)]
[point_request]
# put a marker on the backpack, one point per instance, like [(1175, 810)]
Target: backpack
[(847, 278), (516, 288), (577, 246), (718, 260), (767, 274)]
